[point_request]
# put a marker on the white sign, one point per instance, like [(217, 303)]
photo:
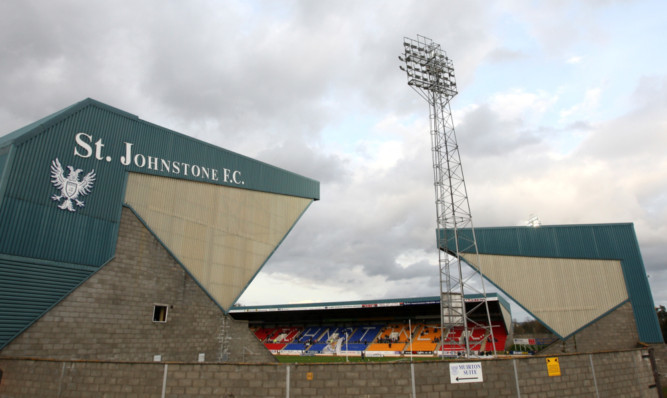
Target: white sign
[(465, 372)]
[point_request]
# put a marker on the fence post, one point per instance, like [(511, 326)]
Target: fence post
[(164, 380), (287, 382), (412, 371), (595, 381), (516, 378)]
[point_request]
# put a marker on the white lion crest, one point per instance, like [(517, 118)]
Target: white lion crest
[(70, 187)]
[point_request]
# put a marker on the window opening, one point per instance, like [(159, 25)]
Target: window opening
[(160, 313)]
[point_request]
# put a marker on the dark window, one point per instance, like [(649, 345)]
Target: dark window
[(160, 313)]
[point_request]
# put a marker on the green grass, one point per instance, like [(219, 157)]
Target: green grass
[(330, 359)]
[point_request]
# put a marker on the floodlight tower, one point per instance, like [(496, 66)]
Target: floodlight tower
[(431, 74)]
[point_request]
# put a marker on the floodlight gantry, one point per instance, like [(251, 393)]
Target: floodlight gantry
[(431, 74)]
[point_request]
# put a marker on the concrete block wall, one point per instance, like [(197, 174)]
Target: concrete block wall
[(615, 331), (110, 316), (608, 374)]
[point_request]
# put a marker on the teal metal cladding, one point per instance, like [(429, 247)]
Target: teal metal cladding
[(595, 241), (29, 288), (47, 251), (93, 136)]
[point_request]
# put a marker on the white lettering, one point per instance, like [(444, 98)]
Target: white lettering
[(165, 165), (235, 175), (152, 163), (98, 149), (84, 145), (125, 160), (84, 149), (139, 160)]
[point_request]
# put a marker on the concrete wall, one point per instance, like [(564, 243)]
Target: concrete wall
[(615, 331), (110, 316), (660, 352), (611, 374)]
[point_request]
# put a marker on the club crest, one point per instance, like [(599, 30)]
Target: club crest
[(71, 188)]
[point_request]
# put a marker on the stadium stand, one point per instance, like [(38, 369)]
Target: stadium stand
[(329, 341), (263, 333), (387, 338), (392, 337), (425, 340), (500, 336), (376, 328), (279, 337), (305, 339), (365, 334)]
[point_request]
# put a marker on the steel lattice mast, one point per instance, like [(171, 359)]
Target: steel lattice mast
[(431, 74)]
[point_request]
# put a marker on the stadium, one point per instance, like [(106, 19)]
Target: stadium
[(128, 244)]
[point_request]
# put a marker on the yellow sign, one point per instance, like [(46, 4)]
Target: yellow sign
[(309, 376), (553, 367)]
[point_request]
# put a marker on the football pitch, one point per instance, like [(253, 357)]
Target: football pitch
[(330, 359)]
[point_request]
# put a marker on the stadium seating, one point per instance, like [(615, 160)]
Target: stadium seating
[(392, 337), (278, 338), (365, 334), (263, 333), (425, 339), (275, 346), (296, 347), (283, 335), (328, 341), (311, 334), (500, 336)]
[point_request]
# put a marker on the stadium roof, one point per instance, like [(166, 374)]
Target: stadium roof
[(567, 276), (350, 311)]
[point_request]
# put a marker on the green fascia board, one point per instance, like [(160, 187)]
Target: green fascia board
[(586, 241)]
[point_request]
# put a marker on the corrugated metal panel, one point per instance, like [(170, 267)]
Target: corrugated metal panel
[(566, 294), (4, 169), (222, 235), (29, 287), (4, 155), (596, 241)]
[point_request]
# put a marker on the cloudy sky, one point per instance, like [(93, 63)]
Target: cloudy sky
[(561, 113)]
